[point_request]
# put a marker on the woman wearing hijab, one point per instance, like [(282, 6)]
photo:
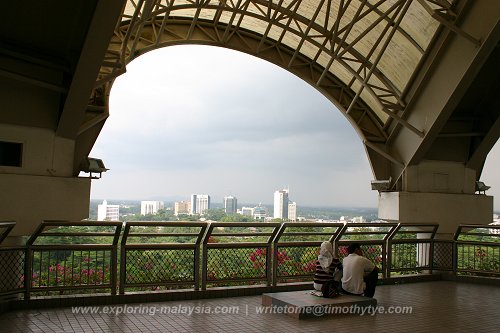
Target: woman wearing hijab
[(328, 267)]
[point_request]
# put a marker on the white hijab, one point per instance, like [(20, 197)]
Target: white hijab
[(325, 257)]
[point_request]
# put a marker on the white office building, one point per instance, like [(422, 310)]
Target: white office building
[(281, 204), (247, 211), (199, 203), (292, 211), (151, 207), (107, 212), (230, 204)]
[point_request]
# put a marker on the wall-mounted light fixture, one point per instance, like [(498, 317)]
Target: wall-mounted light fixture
[(93, 165)]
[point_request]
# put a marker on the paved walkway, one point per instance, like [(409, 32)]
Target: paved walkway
[(442, 306)]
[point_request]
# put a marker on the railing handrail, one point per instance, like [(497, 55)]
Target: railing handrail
[(188, 224), (459, 232), (391, 226), (7, 227), (398, 230), (50, 224)]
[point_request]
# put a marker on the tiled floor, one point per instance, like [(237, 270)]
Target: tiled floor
[(436, 307)]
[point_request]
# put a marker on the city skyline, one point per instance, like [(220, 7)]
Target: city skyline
[(216, 123)]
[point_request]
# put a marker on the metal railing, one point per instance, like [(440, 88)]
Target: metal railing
[(296, 249), (410, 249), (158, 255), (477, 250), (72, 256), (12, 263), (82, 257), (238, 252)]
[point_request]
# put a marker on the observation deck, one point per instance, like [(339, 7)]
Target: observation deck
[(210, 276)]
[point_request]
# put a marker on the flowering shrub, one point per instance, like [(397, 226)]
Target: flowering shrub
[(480, 259), (72, 271)]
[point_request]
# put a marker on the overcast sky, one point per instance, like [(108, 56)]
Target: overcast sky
[(198, 119)]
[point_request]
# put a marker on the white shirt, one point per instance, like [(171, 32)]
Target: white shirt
[(355, 267)]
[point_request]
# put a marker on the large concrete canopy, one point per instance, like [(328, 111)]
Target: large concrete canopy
[(417, 79)]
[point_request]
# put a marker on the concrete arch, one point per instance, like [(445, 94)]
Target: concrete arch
[(306, 38)]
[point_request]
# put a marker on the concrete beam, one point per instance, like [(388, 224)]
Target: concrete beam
[(96, 43), (453, 69)]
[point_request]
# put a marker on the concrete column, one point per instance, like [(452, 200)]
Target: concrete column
[(447, 209), (29, 200)]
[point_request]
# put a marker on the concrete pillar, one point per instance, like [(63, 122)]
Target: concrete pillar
[(441, 192), (447, 209), (29, 200)]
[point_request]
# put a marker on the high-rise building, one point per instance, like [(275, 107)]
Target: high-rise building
[(182, 207), (151, 207), (199, 203), (292, 211), (107, 212), (230, 204), (281, 204)]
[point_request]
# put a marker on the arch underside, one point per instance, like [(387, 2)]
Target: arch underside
[(363, 55)]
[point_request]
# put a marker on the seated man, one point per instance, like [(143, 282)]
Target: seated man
[(360, 275), (328, 267)]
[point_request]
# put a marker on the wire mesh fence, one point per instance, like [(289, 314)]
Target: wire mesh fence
[(60, 258)]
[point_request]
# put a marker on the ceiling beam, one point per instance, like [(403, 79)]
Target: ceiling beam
[(96, 43), (440, 92)]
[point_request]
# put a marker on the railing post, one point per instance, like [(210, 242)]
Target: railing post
[(196, 266), (274, 259), (197, 259), (454, 252), (388, 258), (204, 263), (123, 268), (123, 259), (113, 275), (28, 262), (431, 255), (114, 260)]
